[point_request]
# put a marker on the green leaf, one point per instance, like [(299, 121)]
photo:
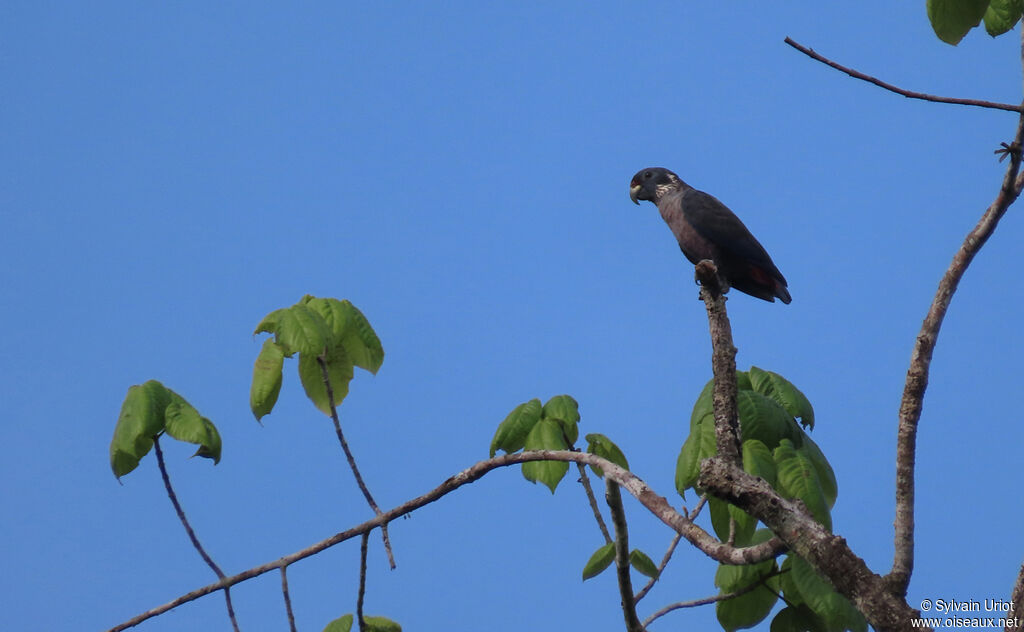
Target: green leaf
[(799, 479), (758, 460), (183, 422), (698, 446), (704, 406), (511, 433), (721, 511), (748, 609), (605, 448), (381, 624), (782, 391), (600, 560), (952, 19), (797, 619), (764, 419), (643, 564), (340, 371), (826, 477), (141, 419), (835, 610), (266, 379), (545, 435), (565, 409), (351, 329), (341, 624), (297, 329), (1002, 15)]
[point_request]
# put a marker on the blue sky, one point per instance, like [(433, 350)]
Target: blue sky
[(460, 172)]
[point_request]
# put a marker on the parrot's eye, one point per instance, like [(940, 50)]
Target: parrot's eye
[(647, 175)]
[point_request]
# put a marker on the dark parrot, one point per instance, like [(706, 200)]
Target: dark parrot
[(706, 229)]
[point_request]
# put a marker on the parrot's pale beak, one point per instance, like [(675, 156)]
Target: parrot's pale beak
[(634, 194)]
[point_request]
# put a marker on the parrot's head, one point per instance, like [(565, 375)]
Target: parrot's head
[(651, 183)]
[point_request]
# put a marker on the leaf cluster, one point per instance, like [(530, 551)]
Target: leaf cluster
[(774, 416), (953, 19), (152, 409), (331, 337)]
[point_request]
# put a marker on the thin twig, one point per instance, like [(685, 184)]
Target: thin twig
[(921, 357), (700, 505), (661, 568), (352, 460), (593, 502), (287, 598), (907, 93), (647, 497), (709, 600), (188, 528), (614, 498), (362, 580)]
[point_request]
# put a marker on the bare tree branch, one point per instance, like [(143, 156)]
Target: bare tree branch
[(614, 498), (723, 362), (724, 478), (661, 568), (362, 580), (287, 599), (352, 460), (1017, 599), (656, 504), (921, 357), (907, 93), (585, 480), (188, 529)]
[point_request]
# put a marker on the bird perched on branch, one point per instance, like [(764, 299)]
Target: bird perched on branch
[(706, 229)]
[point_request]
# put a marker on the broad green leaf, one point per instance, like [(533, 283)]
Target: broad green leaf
[(764, 419), (1002, 15), (643, 564), (743, 381), (211, 448), (826, 477), (799, 479), (545, 435), (758, 461), (797, 619), (786, 583), (704, 406), (952, 19), (604, 447), (600, 560), (141, 419), (341, 624), (297, 329), (266, 379), (835, 610), (688, 463), (565, 409), (340, 370), (183, 422), (782, 391), (350, 327), (749, 609), (511, 433), (381, 624), (698, 446), (721, 511)]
